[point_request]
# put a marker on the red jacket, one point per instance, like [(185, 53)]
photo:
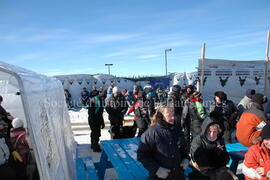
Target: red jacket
[(257, 156)]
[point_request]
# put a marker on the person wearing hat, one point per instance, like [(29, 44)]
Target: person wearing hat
[(245, 102), (95, 120), (250, 124), (116, 107), (141, 112), (227, 113), (193, 116), (20, 144), (257, 160), (208, 152), (6, 153)]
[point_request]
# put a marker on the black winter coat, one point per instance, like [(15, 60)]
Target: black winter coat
[(226, 111), (205, 152), (163, 145), (190, 118), (116, 107), (142, 114), (95, 110), (150, 104)]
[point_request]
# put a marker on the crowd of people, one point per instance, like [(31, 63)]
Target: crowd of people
[(14, 147), (177, 131)]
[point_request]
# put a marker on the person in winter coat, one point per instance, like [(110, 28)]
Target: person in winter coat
[(84, 96), (162, 148), (193, 116), (250, 124), (175, 102), (6, 117), (244, 104), (188, 91), (257, 160), (6, 149), (68, 98), (21, 145), (95, 120), (208, 152), (150, 104), (94, 92), (142, 114), (160, 96), (109, 92), (116, 107), (227, 114)]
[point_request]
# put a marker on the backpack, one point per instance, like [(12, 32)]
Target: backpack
[(21, 145)]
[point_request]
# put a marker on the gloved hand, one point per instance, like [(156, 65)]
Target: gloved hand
[(185, 163), (163, 172), (102, 125), (17, 156)]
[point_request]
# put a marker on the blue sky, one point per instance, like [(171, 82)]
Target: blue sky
[(79, 37)]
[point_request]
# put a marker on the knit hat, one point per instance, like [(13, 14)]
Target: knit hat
[(17, 123), (266, 132), (259, 98), (250, 92), (115, 90), (221, 95)]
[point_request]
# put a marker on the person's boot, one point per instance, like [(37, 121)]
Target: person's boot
[(96, 148), (92, 144)]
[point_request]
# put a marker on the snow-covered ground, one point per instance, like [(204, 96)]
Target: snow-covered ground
[(81, 131)]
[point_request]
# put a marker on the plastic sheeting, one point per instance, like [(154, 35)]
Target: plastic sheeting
[(40, 102)]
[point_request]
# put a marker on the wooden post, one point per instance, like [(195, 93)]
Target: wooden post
[(202, 69), (266, 82)]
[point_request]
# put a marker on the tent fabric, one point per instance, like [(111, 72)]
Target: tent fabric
[(39, 101), (233, 77)]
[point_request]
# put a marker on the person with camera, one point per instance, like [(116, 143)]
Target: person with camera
[(6, 150)]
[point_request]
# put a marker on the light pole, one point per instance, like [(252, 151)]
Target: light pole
[(109, 67), (166, 50)]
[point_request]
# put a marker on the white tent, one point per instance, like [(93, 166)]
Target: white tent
[(39, 101)]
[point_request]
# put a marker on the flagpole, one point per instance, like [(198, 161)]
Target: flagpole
[(202, 69), (266, 82)]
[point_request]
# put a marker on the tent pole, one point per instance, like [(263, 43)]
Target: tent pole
[(266, 82), (202, 69)]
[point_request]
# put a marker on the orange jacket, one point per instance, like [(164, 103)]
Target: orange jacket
[(257, 156), (246, 128)]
